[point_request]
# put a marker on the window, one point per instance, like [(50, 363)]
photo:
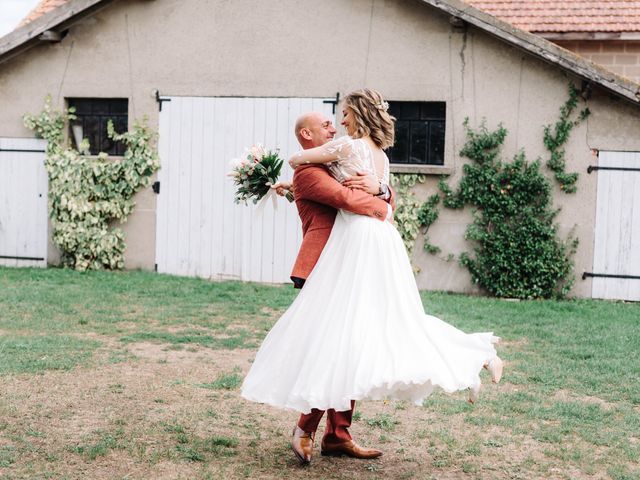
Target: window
[(419, 133), (93, 115)]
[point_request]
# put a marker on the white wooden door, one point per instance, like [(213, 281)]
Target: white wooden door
[(23, 203), (617, 235), (200, 230)]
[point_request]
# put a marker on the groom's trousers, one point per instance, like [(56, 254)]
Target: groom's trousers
[(338, 423)]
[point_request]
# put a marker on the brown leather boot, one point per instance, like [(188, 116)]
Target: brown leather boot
[(350, 449), (302, 444)]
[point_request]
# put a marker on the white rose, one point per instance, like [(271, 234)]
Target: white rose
[(236, 163), (257, 152)]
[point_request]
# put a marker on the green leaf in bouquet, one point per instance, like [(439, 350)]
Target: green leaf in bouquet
[(254, 180)]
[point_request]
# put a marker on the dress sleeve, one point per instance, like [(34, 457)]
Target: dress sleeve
[(341, 149)]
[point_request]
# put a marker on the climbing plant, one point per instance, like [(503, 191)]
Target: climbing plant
[(427, 215), (88, 194), (556, 137), (407, 214), (516, 248)]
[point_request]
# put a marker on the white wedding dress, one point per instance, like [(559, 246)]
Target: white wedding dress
[(358, 329)]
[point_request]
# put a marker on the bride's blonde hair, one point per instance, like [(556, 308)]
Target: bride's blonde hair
[(371, 117)]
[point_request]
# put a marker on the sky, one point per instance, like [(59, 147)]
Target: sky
[(12, 11)]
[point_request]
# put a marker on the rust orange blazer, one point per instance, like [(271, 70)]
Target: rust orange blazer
[(318, 196)]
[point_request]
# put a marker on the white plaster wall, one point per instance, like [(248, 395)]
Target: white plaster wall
[(308, 48)]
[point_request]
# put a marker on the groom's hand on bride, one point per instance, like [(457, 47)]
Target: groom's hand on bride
[(364, 181)]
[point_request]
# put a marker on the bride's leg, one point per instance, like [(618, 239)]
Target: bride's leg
[(474, 393), (495, 367)]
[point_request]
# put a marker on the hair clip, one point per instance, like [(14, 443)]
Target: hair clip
[(383, 105)]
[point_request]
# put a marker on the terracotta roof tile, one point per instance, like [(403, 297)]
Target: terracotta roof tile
[(533, 16), (43, 7), (565, 16)]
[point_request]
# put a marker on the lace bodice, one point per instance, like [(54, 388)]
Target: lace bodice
[(354, 155)]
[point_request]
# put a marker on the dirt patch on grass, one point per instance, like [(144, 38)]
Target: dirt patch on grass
[(182, 328), (115, 420), (159, 415), (519, 343), (506, 387), (568, 396), (192, 354)]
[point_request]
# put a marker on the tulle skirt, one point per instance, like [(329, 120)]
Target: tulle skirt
[(358, 330)]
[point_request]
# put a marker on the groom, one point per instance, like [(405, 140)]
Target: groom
[(318, 196)]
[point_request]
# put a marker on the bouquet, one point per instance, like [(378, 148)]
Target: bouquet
[(255, 172)]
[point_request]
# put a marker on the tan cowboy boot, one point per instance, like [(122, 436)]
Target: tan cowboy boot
[(302, 444), (350, 449)]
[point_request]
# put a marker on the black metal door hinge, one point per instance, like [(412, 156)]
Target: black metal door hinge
[(591, 168), (156, 187), (20, 150), (11, 257), (160, 100), (334, 102), (608, 275)]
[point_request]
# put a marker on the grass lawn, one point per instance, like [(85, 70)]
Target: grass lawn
[(137, 375)]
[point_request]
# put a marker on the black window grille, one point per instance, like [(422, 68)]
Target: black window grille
[(420, 128), (93, 115)]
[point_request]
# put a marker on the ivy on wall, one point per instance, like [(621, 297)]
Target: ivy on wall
[(408, 206), (516, 248), (88, 194), (554, 140), (411, 215), (427, 215)]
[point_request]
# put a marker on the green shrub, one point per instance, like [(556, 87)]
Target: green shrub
[(87, 195), (516, 249)]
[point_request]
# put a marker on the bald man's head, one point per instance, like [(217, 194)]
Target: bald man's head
[(304, 121), (314, 129)]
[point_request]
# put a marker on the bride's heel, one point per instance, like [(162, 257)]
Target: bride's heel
[(474, 393), (495, 367)]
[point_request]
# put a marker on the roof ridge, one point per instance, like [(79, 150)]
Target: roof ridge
[(43, 6), (73, 11)]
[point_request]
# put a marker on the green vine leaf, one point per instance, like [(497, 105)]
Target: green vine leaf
[(407, 207), (556, 137)]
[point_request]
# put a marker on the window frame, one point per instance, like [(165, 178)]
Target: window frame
[(423, 168), (101, 110)]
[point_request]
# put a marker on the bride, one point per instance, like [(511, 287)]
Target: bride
[(358, 328)]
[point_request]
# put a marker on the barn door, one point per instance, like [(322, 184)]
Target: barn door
[(200, 231), (616, 260), (23, 203)]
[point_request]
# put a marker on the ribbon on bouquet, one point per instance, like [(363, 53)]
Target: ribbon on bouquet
[(271, 194)]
